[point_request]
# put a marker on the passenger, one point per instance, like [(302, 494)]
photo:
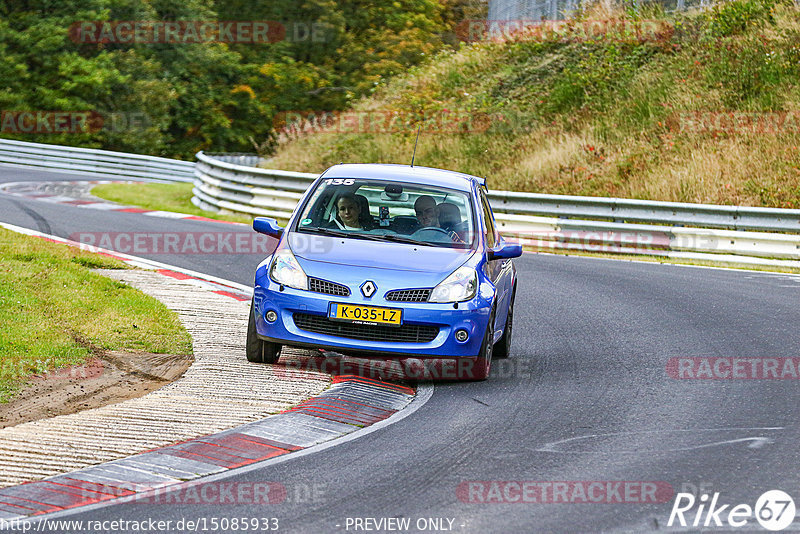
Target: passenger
[(348, 214), (449, 216), (450, 221)]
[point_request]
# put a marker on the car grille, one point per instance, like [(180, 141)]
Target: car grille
[(407, 333), (330, 288), (408, 295)]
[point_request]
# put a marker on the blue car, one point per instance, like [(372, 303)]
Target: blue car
[(388, 261)]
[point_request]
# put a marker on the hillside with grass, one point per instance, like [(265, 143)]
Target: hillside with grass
[(695, 107)]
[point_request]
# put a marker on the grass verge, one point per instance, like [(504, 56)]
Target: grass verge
[(56, 312), (161, 197)]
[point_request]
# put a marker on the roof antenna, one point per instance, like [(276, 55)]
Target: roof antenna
[(415, 146)]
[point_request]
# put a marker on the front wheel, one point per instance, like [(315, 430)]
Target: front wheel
[(483, 362), (258, 350), (503, 348)]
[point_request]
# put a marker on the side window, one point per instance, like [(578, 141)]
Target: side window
[(488, 220)]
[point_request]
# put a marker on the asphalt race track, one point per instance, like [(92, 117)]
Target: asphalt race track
[(586, 397)]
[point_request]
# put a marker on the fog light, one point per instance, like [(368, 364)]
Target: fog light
[(461, 335), (271, 316)]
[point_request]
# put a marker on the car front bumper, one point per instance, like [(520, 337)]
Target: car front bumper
[(472, 316)]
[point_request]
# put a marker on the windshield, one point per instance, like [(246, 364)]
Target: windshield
[(378, 209)]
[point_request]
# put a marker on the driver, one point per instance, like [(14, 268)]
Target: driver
[(425, 208)]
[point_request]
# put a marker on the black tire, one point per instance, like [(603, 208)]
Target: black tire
[(503, 347), (258, 350), (483, 362)]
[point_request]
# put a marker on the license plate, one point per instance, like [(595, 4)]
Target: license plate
[(365, 314)]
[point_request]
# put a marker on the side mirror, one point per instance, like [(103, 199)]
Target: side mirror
[(505, 251), (267, 225)]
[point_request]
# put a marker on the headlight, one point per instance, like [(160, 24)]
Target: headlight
[(457, 287), (285, 270)]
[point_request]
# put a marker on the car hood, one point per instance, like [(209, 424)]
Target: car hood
[(377, 255)]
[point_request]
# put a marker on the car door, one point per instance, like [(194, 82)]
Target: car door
[(496, 270)]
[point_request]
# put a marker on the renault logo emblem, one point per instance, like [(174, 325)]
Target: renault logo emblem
[(368, 288)]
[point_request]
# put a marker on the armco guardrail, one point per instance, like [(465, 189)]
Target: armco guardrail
[(101, 163), (649, 211), (232, 182)]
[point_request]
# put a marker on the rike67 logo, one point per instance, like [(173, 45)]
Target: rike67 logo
[(774, 511)]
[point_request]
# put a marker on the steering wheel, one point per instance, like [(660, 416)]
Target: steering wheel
[(422, 231)]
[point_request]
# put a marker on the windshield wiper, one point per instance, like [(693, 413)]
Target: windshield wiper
[(325, 231), (339, 233), (403, 239)]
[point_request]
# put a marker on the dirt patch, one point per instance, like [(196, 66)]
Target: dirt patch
[(109, 377)]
